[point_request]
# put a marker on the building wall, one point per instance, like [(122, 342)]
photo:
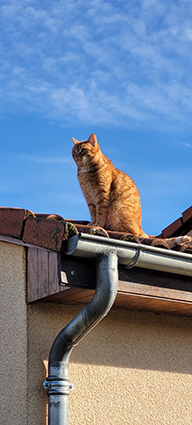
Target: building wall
[(133, 368), (13, 331)]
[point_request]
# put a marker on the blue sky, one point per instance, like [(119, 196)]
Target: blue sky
[(121, 69)]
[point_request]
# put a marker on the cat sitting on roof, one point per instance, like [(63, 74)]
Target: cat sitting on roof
[(111, 195)]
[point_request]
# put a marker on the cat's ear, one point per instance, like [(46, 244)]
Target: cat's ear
[(92, 139), (75, 141)]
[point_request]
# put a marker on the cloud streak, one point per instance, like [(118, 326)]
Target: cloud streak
[(98, 62), (45, 160)]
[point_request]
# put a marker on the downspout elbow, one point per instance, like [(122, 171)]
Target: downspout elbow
[(93, 312), (57, 383)]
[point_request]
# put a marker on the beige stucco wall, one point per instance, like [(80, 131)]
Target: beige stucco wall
[(133, 368), (13, 331)]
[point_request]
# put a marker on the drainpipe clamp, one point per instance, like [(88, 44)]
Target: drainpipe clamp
[(55, 386)]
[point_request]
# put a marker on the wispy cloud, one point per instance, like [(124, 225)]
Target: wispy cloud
[(188, 145), (45, 160), (97, 61)]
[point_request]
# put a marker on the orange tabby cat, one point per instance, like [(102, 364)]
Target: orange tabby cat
[(111, 195)]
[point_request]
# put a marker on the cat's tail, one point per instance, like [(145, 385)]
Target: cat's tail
[(172, 243), (178, 241)]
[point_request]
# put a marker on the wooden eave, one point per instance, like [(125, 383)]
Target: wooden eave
[(55, 277)]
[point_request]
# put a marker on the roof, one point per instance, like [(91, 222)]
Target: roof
[(53, 276), (50, 231)]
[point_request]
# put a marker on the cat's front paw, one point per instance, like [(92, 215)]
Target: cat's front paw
[(97, 230)]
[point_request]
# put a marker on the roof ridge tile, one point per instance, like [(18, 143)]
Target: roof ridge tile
[(50, 231)]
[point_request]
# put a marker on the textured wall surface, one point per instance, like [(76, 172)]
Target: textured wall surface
[(133, 368), (13, 347)]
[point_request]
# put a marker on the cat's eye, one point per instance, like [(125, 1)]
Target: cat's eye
[(83, 150)]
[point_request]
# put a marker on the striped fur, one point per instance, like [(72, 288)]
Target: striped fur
[(178, 241), (111, 195)]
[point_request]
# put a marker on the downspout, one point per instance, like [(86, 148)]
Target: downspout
[(57, 383)]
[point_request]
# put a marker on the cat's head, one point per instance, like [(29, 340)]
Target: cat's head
[(84, 152)]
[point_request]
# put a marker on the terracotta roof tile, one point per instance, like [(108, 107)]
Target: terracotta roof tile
[(45, 233), (12, 221), (51, 231)]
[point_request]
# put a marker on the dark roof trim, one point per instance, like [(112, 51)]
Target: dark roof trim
[(179, 227)]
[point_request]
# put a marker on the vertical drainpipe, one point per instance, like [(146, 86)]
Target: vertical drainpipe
[(57, 383)]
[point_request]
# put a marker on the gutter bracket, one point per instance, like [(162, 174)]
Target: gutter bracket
[(135, 260)]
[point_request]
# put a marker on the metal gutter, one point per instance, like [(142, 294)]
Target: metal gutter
[(107, 252), (57, 383), (130, 254)]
